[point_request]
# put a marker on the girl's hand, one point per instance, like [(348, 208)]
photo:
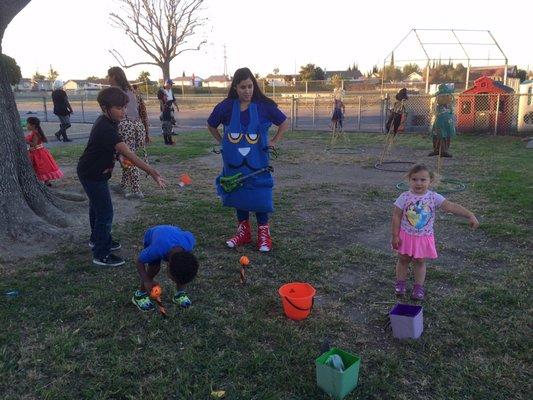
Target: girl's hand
[(396, 242), (473, 222)]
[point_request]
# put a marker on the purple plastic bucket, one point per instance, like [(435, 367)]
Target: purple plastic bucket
[(407, 321)]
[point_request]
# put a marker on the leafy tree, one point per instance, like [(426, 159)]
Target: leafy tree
[(93, 79), (12, 69), (38, 77), (288, 79), (276, 71), (52, 74), (144, 76), (408, 69), (310, 72)]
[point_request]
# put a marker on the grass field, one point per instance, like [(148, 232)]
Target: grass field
[(74, 334)]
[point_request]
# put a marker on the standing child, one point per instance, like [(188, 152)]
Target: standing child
[(43, 163), (171, 244), (397, 111), (95, 168), (412, 228), (246, 115), (62, 109)]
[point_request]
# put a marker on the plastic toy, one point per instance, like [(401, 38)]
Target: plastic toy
[(244, 261), (233, 182)]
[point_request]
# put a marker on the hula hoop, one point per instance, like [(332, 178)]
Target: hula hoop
[(460, 186), (381, 165)]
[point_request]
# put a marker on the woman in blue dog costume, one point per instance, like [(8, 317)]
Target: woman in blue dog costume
[(246, 115)]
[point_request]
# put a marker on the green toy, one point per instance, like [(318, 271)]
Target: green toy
[(233, 182)]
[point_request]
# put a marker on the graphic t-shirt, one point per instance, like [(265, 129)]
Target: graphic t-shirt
[(160, 239), (418, 212)]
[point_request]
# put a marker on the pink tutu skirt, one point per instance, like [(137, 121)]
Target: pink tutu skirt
[(417, 246)]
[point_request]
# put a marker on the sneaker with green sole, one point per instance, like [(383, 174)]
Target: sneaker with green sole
[(142, 301), (181, 299)]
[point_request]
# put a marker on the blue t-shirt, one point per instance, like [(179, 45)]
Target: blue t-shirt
[(160, 239), (268, 114)]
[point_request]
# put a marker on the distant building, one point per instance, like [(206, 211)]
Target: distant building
[(190, 81), (280, 80), (495, 72), (414, 77), (217, 81), (25, 85), (83, 84)]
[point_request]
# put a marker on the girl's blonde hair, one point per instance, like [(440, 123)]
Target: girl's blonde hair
[(435, 178)]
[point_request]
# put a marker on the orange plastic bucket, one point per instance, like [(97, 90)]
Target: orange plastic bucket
[(297, 299)]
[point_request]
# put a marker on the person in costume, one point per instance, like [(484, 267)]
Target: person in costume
[(246, 115), (444, 126), (338, 113), (397, 111), (42, 161)]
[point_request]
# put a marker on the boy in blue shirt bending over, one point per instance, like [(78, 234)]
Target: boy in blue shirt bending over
[(171, 244)]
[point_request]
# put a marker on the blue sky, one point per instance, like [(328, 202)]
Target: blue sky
[(74, 36)]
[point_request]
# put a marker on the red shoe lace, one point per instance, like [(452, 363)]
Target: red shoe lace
[(242, 235)]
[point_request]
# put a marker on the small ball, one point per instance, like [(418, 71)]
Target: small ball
[(244, 261)]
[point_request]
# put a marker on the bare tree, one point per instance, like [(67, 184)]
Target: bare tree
[(162, 29), (28, 210)]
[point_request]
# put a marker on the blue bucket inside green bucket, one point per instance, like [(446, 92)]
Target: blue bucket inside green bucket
[(334, 382)]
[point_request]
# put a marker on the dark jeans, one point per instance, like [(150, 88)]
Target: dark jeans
[(262, 217), (100, 216), (63, 126)]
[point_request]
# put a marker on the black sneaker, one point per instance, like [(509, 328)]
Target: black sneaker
[(110, 260), (58, 136), (114, 245)]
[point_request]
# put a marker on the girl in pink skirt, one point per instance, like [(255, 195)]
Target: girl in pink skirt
[(412, 228)]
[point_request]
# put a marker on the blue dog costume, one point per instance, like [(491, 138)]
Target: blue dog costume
[(245, 150)]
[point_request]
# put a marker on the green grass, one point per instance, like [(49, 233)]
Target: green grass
[(74, 334)]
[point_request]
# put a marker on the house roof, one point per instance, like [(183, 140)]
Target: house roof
[(218, 78), (491, 87), (186, 79)]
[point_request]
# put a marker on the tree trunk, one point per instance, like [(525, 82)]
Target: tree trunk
[(28, 209), (165, 67)]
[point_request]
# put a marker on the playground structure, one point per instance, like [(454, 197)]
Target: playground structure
[(451, 45)]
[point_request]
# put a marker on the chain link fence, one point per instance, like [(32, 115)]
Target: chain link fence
[(499, 114)]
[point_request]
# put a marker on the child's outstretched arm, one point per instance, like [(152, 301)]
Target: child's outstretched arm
[(454, 208), (396, 221), (123, 149)]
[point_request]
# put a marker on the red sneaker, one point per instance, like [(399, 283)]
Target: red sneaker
[(243, 235), (264, 242)]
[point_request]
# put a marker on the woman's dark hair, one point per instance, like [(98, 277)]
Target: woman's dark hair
[(241, 75), (183, 266), (120, 77), (36, 122), (112, 97)]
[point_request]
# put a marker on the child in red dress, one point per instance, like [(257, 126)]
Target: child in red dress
[(43, 163)]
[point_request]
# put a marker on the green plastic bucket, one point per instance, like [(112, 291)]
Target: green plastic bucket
[(337, 384)]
